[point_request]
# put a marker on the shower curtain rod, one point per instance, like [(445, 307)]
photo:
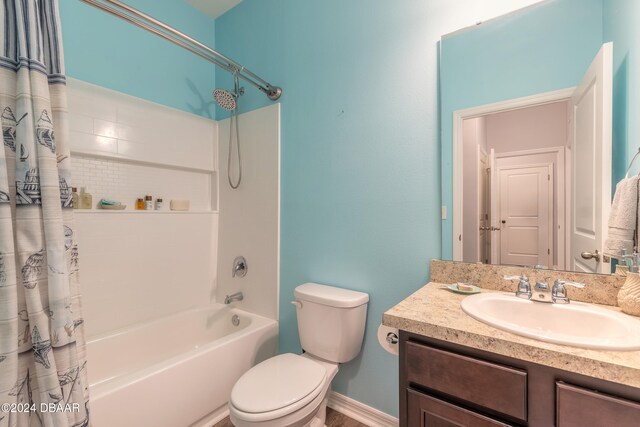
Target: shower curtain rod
[(142, 20)]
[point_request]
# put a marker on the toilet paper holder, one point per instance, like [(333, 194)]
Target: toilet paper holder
[(392, 338)]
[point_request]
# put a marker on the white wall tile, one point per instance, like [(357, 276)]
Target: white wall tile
[(93, 144), (105, 128), (161, 134), (80, 123)]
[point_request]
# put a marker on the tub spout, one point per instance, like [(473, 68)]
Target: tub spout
[(233, 297)]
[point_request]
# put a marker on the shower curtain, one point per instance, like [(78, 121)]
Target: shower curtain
[(43, 379)]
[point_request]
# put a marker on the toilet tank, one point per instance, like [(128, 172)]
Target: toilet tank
[(331, 321)]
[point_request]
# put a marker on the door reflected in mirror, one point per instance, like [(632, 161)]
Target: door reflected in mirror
[(514, 169)]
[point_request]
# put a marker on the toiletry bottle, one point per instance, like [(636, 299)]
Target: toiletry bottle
[(159, 204), (148, 203), (75, 197), (86, 200), (140, 204)]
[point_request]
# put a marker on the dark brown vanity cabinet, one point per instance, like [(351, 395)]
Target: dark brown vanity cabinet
[(447, 385)]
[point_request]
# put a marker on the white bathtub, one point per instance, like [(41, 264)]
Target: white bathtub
[(177, 371)]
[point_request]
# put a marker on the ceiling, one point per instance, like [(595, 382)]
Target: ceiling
[(213, 8)]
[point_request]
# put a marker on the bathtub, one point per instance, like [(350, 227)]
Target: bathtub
[(177, 371)]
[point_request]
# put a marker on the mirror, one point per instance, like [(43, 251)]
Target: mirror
[(534, 133)]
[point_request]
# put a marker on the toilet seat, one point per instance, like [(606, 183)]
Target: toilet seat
[(277, 387)]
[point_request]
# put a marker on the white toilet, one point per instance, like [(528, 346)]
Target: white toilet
[(292, 390)]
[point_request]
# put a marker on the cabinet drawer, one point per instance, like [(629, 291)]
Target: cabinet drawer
[(579, 407), (427, 411), (492, 386)]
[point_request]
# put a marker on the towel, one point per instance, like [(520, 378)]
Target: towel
[(623, 218)]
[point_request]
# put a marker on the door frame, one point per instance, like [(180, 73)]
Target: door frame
[(486, 194), (550, 195), (459, 116)]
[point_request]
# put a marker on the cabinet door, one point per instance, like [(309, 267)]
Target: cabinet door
[(579, 407), (497, 388), (427, 411)]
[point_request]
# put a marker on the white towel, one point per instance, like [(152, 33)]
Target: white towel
[(623, 216)]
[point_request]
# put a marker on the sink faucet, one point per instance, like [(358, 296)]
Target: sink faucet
[(559, 292), (233, 297), (542, 292)]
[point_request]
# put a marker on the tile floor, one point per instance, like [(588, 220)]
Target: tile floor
[(334, 419)]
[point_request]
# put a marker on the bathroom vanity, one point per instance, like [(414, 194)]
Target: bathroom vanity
[(457, 371)]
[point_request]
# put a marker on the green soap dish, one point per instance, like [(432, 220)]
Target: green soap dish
[(454, 288)]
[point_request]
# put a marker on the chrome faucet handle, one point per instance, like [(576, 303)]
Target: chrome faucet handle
[(566, 282), (524, 287), (240, 267), (559, 291)]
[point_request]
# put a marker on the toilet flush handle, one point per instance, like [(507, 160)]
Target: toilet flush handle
[(297, 303)]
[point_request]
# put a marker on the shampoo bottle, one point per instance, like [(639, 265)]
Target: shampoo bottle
[(76, 199), (86, 200)]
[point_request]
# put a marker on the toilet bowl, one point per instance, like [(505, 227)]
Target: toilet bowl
[(292, 390), (285, 390)]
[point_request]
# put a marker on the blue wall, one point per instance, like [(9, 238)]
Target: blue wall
[(621, 26), (540, 49), (106, 51), (360, 155)]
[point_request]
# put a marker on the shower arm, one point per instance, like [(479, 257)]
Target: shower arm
[(142, 20)]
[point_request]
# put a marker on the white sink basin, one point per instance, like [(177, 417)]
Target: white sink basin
[(575, 324)]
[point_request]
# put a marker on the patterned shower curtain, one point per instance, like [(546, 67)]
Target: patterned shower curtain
[(43, 379)]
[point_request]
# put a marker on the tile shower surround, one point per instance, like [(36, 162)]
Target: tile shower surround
[(125, 147)]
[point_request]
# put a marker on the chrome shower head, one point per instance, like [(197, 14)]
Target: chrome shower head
[(225, 99)]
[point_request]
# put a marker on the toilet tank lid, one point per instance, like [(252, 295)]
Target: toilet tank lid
[(330, 295)]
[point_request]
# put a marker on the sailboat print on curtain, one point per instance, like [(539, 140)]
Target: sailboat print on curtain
[(9, 124)]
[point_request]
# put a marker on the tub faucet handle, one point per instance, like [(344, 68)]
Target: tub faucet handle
[(240, 267)]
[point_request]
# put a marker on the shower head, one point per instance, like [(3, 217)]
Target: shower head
[(225, 99)]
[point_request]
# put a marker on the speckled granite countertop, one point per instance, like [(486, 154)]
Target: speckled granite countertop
[(435, 313)]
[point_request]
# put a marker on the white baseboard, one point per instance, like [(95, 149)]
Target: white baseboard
[(213, 418), (360, 412)]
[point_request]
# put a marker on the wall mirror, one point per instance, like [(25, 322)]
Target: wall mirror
[(534, 118)]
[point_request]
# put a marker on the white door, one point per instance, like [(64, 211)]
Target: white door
[(483, 208), (526, 215), (591, 157), (494, 220)]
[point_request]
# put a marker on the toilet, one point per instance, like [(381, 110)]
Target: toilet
[(291, 389)]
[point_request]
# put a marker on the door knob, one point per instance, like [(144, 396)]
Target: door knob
[(588, 255)]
